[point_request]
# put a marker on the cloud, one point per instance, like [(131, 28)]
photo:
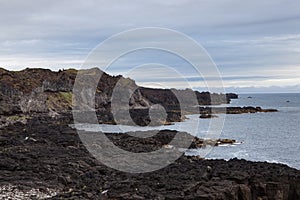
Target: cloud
[(245, 38), (269, 89)]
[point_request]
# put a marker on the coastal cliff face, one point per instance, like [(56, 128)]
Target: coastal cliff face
[(42, 91), (35, 90), (46, 91)]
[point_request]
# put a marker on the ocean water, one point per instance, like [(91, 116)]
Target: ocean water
[(271, 137)]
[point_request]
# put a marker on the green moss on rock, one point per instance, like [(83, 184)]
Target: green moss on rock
[(66, 96)]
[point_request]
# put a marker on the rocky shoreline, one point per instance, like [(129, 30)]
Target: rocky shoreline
[(46, 159), (233, 110), (42, 157), (44, 91)]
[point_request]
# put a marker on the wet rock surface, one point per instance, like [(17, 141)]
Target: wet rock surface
[(46, 157), (207, 116)]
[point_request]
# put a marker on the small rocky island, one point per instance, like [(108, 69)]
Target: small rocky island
[(41, 156)]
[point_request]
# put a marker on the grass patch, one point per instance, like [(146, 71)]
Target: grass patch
[(67, 96), (17, 117)]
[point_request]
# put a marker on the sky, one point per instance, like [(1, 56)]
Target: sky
[(254, 44)]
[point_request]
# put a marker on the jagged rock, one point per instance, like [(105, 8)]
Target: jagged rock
[(44, 91), (232, 110), (206, 116), (73, 173), (232, 96)]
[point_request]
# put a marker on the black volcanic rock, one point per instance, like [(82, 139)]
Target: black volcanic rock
[(47, 155), (207, 116), (233, 110), (232, 96)]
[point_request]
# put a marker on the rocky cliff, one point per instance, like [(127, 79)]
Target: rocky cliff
[(43, 90)]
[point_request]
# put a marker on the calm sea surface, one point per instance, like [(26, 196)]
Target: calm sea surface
[(272, 137)]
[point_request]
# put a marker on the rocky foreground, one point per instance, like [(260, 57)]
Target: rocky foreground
[(46, 159)]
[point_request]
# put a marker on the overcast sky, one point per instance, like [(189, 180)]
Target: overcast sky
[(255, 44)]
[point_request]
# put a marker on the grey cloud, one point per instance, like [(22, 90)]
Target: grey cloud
[(243, 37)]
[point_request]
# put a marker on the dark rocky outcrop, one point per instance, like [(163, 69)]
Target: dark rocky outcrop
[(207, 116), (206, 111), (232, 96), (42, 91), (46, 158)]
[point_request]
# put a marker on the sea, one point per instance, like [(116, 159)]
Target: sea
[(272, 137)]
